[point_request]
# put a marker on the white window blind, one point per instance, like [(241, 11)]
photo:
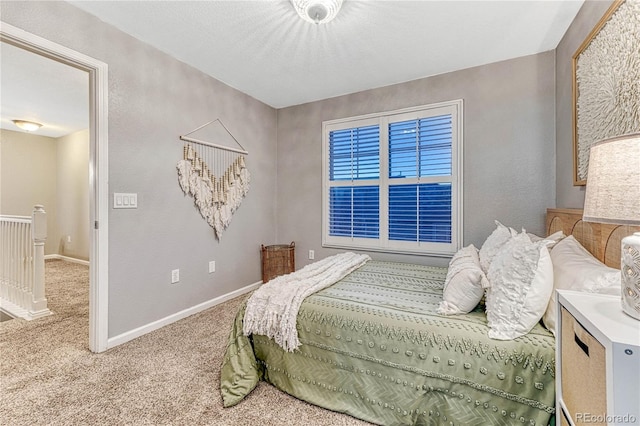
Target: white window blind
[(392, 181), (354, 157)]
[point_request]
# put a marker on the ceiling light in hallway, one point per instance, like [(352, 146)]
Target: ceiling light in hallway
[(28, 126)]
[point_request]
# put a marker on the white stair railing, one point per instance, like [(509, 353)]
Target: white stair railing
[(22, 287)]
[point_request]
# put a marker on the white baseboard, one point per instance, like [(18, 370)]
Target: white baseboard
[(66, 259), (130, 335)]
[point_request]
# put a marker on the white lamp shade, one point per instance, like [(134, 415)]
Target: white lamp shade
[(613, 196), (613, 181)]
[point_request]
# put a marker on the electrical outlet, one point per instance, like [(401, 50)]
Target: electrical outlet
[(175, 276), (312, 254), (68, 238), (212, 266)]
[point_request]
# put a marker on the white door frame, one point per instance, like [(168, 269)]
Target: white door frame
[(98, 171)]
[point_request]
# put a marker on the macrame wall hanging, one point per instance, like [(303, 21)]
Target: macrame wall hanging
[(215, 176)]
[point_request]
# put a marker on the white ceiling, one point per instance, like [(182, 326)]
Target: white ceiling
[(264, 49), (35, 88)]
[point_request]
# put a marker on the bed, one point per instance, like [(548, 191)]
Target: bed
[(373, 347)]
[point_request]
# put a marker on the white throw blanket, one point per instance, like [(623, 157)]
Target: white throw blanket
[(272, 310)]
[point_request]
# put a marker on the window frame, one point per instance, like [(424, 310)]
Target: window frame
[(382, 119)]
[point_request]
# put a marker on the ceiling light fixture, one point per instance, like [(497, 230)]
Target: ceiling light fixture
[(28, 126), (317, 11)]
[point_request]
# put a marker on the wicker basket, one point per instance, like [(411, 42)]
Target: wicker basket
[(277, 260)]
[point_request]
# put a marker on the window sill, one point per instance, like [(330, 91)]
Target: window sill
[(390, 250)]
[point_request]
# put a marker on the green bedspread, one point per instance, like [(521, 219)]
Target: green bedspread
[(373, 347)]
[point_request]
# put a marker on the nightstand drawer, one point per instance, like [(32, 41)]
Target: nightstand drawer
[(583, 370), (601, 388)]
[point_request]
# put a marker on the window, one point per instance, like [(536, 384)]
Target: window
[(393, 181)]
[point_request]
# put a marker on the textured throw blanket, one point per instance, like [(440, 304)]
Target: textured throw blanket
[(273, 308)]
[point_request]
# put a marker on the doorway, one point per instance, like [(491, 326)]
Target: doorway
[(98, 170)]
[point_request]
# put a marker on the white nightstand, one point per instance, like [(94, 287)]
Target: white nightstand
[(597, 361)]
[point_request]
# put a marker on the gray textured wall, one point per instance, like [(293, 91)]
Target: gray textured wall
[(509, 149), (569, 196), (154, 98)]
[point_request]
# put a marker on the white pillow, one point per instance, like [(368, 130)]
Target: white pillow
[(551, 240), (493, 244), (521, 277), (574, 268), (465, 283)]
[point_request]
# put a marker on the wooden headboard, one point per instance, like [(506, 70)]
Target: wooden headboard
[(601, 239)]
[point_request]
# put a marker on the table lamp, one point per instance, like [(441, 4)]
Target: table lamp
[(613, 196)]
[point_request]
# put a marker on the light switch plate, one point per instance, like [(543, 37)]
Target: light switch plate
[(123, 200)]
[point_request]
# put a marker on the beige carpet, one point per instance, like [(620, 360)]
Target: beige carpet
[(168, 377)]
